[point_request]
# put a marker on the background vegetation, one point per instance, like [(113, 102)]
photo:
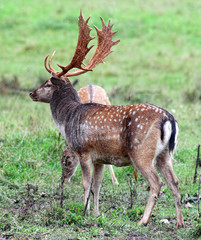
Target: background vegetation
[(158, 61)]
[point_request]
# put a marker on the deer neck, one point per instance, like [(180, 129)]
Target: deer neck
[(63, 104)]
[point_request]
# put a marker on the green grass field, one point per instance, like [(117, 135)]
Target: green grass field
[(158, 60)]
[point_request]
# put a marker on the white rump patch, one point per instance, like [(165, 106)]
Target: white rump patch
[(177, 132), (161, 145)]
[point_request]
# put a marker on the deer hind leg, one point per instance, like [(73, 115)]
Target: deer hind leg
[(97, 179), (164, 165), (145, 165), (86, 166), (114, 179)]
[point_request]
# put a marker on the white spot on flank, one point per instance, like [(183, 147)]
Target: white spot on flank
[(136, 140), (129, 124), (141, 127), (136, 119), (134, 112)]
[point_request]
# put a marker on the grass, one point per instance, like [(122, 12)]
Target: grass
[(157, 61)]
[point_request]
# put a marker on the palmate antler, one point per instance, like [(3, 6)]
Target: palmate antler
[(103, 49)]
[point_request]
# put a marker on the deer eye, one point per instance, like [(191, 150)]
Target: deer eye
[(48, 85)]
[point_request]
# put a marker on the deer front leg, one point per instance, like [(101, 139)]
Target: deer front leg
[(86, 166), (97, 179)]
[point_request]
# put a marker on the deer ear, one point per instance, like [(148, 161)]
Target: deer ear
[(56, 81)]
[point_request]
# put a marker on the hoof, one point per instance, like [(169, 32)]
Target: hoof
[(179, 225), (141, 223), (116, 182), (96, 214)]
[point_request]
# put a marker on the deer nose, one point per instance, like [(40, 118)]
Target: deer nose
[(30, 94)]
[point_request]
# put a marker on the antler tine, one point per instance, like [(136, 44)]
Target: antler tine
[(45, 63), (50, 69), (50, 66)]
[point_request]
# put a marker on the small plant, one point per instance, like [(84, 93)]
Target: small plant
[(5, 222), (197, 231), (71, 218), (101, 221), (135, 213)]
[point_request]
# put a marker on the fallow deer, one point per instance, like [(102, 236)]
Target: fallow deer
[(142, 135), (69, 160)]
